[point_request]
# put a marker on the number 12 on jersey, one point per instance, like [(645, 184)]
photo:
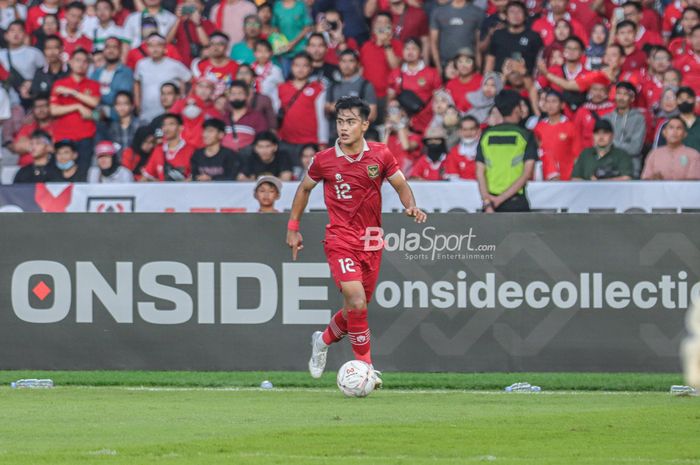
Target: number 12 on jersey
[(342, 191)]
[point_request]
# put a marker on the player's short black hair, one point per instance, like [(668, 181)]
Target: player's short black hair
[(470, 118), (677, 118), (174, 116), (108, 2), (124, 93), (263, 43), (637, 6), (79, 5), (507, 101), (52, 37), (215, 123), (267, 136), (685, 90), (577, 41), (353, 103), (626, 23), (318, 35)]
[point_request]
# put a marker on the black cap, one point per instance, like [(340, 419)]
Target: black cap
[(149, 21), (506, 101), (64, 143), (626, 85), (603, 125)]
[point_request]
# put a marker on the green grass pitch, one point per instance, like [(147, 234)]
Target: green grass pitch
[(149, 418)]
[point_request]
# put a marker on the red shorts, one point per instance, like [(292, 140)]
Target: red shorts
[(350, 264)]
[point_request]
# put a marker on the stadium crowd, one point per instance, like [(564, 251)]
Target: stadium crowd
[(208, 90)]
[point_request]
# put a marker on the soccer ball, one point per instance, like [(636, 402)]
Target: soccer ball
[(356, 379)]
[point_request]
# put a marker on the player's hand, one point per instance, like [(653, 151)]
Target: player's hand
[(295, 242), (418, 215)]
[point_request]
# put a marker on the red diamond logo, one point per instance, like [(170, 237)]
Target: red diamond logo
[(41, 290)]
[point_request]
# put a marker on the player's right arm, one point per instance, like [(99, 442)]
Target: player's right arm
[(301, 200)]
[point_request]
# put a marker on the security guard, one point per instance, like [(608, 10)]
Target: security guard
[(505, 159)]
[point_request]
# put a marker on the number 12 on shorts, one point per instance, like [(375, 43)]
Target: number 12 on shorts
[(346, 265)]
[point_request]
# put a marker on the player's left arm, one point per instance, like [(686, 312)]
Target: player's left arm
[(400, 185)]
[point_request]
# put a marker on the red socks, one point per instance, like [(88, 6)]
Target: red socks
[(336, 329), (358, 331)]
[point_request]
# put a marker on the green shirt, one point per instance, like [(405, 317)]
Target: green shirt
[(615, 163), (241, 53), (504, 148), (692, 140), (291, 21)]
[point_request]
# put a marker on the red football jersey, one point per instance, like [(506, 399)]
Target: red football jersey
[(689, 66), (460, 165), (352, 189), (73, 126), (427, 170), (177, 160), (556, 141), (459, 90)]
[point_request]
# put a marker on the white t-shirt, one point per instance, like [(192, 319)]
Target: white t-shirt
[(122, 175), (7, 15), (152, 75), (26, 60), (132, 26), (98, 34)]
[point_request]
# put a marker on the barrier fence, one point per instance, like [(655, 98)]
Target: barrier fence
[(235, 197), (459, 293)]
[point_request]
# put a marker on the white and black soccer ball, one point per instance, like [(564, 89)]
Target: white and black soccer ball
[(356, 379)]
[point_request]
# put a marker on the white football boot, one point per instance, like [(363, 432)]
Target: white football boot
[(377, 378), (319, 352)]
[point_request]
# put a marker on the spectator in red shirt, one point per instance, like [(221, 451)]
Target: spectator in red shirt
[(73, 102), (461, 160), (559, 9), (191, 31), (217, 65), (170, 161), (625, 33), (586, 116), (689, 64), (245, 122), (139, 152), (468, 79), (415, 76), (401, 141), (570, 70), (431, 165), (303, 120), (331, 26), (36, 14), (555, 136), (653, 80), (644, 38), (196, 108), (409, 21), (379, 56), (50, 26), (680, 45), (148, 26), (71, 34), (40, 118), (672, 13)]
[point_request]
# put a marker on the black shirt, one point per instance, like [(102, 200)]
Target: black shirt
[(256, 167), (31, 174), (525, 45), (489, 22), (43, 81), (224, 166), (56, 175), (326, 74)]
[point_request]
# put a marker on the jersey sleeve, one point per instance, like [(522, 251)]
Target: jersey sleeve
[(315, 172), (390, 164)]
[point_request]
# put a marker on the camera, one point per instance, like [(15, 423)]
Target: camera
[(333, 25), (188, 9)]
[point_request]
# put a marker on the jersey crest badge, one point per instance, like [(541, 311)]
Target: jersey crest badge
[(373, 171)]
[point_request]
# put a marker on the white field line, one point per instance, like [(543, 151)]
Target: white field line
[(386, 391)]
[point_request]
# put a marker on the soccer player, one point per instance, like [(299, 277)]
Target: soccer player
[(352, 172)]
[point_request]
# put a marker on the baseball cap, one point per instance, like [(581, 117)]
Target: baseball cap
[(626, 85), (64, 143), (149, 21), (270, 180), (105, 148), (603, 125)]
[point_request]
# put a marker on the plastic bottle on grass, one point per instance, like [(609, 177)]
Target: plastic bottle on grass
[(32, 383), (522, 387)]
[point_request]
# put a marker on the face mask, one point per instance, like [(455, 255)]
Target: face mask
[(435, 151), (686, 107), (238, 104), (191, 111), (469, 140), (65, 166)]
